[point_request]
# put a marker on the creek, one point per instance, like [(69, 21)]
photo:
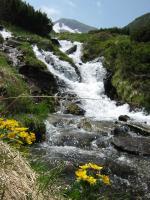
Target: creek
[(97, 136)]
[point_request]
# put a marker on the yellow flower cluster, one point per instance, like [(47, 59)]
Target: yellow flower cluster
[(91, 173), (10, 129)]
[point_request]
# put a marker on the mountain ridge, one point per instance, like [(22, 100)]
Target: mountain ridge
[(71, 25)]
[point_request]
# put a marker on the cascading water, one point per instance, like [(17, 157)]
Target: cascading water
[(91, 88), (80, 139), (89, 139)]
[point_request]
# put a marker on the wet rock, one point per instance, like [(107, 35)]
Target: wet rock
[(110, 90), (140, 129), (75, 139), (74, 109), (71, 50), (135, 145), (13, 43), (124, 118), (49, 59), (1, 27), (85, 124), (103, 142), (41, 78), (121, 130), (55, 42)]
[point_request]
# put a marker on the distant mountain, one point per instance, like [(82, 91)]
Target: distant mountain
[(71, 25)]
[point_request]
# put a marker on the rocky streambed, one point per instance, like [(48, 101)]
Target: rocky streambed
[(119, 146)]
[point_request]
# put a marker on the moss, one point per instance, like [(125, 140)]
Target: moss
[(74, 37), (29, 56), (12, 85)]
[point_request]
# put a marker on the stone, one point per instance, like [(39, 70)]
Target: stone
[(13, 43), (49, 59), (71, 50), (41, 78), (134, 145), (124, 118), (74, 109), (55, 42), (121, 130), (110, 90), (1, 27)]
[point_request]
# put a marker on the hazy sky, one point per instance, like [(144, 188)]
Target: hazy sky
[(99, 13)]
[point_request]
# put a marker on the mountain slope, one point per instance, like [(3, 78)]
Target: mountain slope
[(139, 29), (141, 21), (71, 25)]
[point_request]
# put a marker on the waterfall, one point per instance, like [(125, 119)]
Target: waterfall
[(91, 88), (5, 34)]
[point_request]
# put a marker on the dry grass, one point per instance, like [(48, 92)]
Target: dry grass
[(17, 180)]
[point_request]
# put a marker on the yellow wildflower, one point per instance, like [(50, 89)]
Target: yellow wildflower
[(28, 140), (23, 134), (81, 174), (20, 129), (32, 136), (105, 179), (91, 180), (92, 166), (11, 135), (2, 135)]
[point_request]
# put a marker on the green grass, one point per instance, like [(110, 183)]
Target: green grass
[(49, 181), (74, 37), (27, 38)]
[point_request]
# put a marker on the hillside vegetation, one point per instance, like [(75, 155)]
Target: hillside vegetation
[(139, 29), (19, 13)]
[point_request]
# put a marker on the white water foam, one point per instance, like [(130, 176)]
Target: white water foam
[(5, 34), (91, 90)]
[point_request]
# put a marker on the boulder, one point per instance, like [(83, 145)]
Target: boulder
[(121, 131), (55, 42), (49, 59), (71, 50), (74, 109), (41, 78), (110, 90), (134, 145), (76, 139), (124, 118), (1, 27), (13, 43)]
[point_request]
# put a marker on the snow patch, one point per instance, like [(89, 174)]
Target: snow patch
[(61, 27)]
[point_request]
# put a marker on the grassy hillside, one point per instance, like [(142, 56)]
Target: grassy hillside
[(139, 29), (14, 82)]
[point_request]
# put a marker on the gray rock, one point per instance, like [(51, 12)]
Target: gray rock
[(1, 27), (74, 109), (135, 145), (71, 50), (124, 118), (49, 59), (121, 130), (13, 43)]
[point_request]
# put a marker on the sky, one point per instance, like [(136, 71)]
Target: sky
[(98, 13)]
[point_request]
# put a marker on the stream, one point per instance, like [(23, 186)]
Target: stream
[(97, 137)]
